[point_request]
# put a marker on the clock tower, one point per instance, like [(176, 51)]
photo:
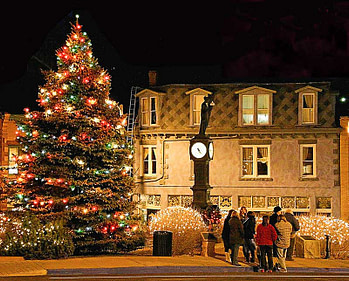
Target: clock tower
[(201, 152)]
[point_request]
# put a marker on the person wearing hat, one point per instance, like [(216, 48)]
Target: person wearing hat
[(273, 220), (295, 227), (274, 216)]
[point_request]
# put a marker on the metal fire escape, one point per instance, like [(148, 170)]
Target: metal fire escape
[(131, 114)]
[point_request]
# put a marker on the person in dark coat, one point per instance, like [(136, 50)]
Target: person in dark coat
[(225, 236), (295, 227), (249, 232), (236, 237), (273, 220)]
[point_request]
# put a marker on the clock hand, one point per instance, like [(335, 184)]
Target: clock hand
[(199, 150)]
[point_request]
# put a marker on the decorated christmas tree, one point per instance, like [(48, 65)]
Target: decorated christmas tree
[(75, 162)]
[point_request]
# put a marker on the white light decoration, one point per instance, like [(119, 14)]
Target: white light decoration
[(186, 225)]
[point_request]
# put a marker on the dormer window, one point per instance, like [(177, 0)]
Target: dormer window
[(149, 107), (255, 106), (308, 105), (196, 99)]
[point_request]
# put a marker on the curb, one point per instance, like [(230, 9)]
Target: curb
[(182, 269)]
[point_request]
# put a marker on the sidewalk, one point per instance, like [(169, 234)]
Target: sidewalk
[(17, 266)]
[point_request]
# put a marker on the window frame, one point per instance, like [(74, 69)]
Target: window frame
[(254, 161), (12, 171), (150, 173), (192, 94), (255, 91), (314, 108), (306, 91), (301, 166), (149, 112), (194, 110)]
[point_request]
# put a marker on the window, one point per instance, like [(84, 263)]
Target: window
[(255, 161), (196, 96), (308, 109), (197, 102), (308, 160), (308, 105), (148, 111), (149, 161), (255, 106), (255, 109), (145, 111), (247, 109), (152, 111), (12, 156)]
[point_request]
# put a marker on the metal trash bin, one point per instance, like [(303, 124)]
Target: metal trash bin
[(162, 243)]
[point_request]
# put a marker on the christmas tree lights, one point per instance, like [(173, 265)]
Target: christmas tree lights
[(75, 152)]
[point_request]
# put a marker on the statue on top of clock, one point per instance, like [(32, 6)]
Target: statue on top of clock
[(206, 108)]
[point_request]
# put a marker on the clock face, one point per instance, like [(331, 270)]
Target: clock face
[(210, 150), (198, 150)]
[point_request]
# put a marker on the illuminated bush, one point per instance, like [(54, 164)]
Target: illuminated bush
[(186, 226), (319, 226)]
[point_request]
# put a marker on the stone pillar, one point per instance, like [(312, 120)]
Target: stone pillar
[(344, 167)]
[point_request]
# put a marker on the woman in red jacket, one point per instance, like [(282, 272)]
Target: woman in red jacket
[(265, 237)]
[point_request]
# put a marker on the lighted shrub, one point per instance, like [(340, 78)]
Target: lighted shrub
[(33, 239), (186, 225), (319, 226)]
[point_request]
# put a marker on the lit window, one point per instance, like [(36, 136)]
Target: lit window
[(255, 161), (256, 109), (149, 161), (308, 160), (308, 108), (12, 156), (197, 102), (308, 105), (148, 111), (196, 97)]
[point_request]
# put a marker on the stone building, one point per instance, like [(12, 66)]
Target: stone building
[(274, 144), (344, 167)]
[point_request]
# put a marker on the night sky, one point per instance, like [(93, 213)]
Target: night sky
[(193, 42)]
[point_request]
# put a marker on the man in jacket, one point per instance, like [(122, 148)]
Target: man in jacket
[(249, 232), (273, 221), (283, 229), (236, 237), (295, 227)]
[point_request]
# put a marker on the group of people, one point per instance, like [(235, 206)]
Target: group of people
[(274, 237)]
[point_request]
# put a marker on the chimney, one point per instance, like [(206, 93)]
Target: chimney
[(152, 75)]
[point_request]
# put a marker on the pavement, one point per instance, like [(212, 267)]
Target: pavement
[(147, 264)]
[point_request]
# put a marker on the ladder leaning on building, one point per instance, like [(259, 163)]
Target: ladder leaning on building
[(131, 114)]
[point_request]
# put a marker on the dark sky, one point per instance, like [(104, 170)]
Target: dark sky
[(187, 42)]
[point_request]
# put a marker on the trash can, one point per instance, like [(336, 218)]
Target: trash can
[(208, 244), (162, 243)]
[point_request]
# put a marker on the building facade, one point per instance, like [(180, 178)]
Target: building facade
[(274, 144), (9, 150)]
